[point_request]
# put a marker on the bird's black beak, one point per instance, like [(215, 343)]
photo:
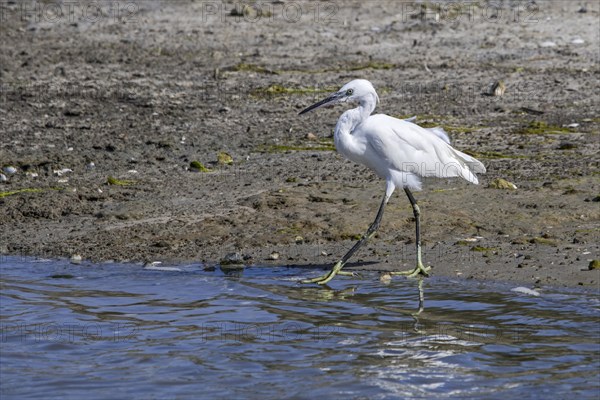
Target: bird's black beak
[(331, 99)]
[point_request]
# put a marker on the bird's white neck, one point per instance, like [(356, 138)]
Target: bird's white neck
[(352, 118), (345, 143)]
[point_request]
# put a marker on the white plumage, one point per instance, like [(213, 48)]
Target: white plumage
[(398, 151)]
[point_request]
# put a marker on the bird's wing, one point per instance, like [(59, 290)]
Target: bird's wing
[(406, 147), (438, 130)]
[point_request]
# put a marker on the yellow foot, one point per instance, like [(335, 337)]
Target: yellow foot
[(419, 270), (323, 279)]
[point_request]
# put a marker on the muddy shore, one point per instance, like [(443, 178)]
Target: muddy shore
[(104, 110)]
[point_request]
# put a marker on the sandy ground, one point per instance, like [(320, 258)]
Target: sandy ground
[(138, 90)]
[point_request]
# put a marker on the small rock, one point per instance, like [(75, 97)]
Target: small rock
[(385, 278), (548, 43), (32, 174), (91, 165), (573, 125), (232, 259), (76, 259), (578, 41), (324, 253), (299, 240), (274, 256), (502, 184), (594, 264), (10, 170), (3, 178), (71, 112), (61, 172), (567, 146), (498, 88), (311, 136)]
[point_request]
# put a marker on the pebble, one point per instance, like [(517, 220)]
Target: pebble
[(311, 136), (578, 41), (10, 170), (567, 146), (385, 278), (498, 88), (547, 44), (3, 178), (299, 240), (91, 165), (60, 172), (274, 256), (76, 259)]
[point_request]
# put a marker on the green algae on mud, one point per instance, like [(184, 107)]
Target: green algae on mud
[(243, 67), (279, 148), (224, 158), (542, 128), (111, 180), (19, 191), (490, 154), (282, 90), (198, 166)]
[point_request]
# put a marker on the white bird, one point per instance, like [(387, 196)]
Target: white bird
[(398, 151)]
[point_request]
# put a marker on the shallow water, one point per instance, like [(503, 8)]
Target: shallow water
[(89, 330)]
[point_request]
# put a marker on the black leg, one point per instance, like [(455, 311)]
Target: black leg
[(417, 214), (368, 234), (419, 269)]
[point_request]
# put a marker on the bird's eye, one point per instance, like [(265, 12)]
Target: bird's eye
[(349, 92)]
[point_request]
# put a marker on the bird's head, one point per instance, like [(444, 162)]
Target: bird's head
[(358, 90)]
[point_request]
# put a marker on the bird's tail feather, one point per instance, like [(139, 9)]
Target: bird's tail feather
[(473, 164)]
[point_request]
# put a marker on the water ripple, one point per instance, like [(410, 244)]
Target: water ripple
[(86, 330)]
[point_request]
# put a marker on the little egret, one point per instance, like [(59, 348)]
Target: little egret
[(396, 150)]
